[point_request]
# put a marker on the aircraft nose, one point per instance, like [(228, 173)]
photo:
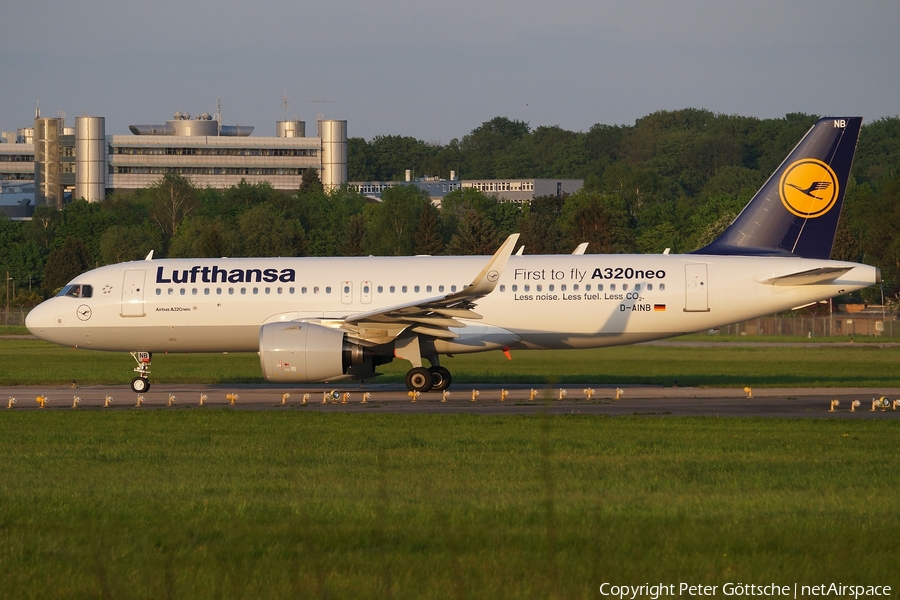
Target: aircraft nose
[(40, 317)]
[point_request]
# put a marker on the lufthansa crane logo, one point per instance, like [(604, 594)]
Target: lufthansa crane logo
[(84, 312), (809, 188)]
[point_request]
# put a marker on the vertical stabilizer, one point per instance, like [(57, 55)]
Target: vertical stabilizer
[(796, 212)]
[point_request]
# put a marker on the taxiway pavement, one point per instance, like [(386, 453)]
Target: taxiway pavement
[(394, 398)]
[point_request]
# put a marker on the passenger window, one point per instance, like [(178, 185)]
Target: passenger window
[(303, 290), (416, 289), (193, 291), (403, 289), (291, 290), (230, 291), (587, 287), (428, 288), (158, 292), (515, 288), (637, 287), (328, 289), (575, 287), (380, 289), (527, 287), (206, 291), (550, 287), (624, 287), (540, 287), (243, 291), (562, 288), (649, 287), (268, 290), (279, 290), (452, 288), (346, 289), (662, 287), (255, 290), (181, 291), (392, 288), (612, 287), (502, 288), (218, 291), (171, 291), (441, 288), (315, 289)]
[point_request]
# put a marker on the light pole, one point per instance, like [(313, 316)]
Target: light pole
[(8, 279)]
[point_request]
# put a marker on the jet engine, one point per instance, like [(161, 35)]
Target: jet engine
[(297, 352)]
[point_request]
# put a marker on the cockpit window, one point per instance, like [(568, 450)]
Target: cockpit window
[(77, 291)]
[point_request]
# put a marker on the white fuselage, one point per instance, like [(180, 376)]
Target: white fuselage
[(558, 301)]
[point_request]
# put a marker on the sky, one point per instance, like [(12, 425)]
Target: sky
[(438, 71)]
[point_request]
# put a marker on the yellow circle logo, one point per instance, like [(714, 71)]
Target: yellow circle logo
[(809, 188)]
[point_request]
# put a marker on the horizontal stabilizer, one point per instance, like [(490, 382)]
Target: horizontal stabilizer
[(811, 277)]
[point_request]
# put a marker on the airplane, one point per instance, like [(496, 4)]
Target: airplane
[(337, 319)]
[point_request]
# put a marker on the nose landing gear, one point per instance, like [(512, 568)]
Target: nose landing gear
[(141, 383)]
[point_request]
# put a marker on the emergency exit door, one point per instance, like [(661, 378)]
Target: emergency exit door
[(696, 288), (133, 293)]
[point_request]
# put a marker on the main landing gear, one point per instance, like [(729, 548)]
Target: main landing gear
[(420, 379), (141, 383)]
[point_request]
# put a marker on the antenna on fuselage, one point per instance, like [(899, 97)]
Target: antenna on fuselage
[(149, 256)]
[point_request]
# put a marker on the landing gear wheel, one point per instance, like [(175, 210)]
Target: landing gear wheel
[(441, 378), (419, 379), (140, 385)]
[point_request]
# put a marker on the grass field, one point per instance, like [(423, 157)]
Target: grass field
[(218, 504), (33, 362)]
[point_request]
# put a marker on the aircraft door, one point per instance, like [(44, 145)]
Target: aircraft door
[(346, 292), (366, 292), (696, 288), (133, 293)]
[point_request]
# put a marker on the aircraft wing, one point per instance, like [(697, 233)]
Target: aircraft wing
[(811, 277), (430, 316)]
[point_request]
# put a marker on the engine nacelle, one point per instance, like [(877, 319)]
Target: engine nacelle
[(305, 352)]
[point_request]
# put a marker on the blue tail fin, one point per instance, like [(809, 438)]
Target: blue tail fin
[(796, 212)]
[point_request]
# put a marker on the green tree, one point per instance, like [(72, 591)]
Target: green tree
[(589, 217), (392, 229), (263, 232), (487, 143), (204, 237), (120, 243), (540, 225), (428, 233), (355, 236), (311, 183), (172, 199), (476, 235), (458, 203), (64, 264)]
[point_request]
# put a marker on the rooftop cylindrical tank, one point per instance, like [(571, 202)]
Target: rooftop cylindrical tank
[(90, 158), (47, 190), (290, 129), (236, 130), (194, 127), (25, 135), (334, 153)]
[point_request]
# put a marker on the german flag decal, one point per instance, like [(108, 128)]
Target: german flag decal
[(659, 308)]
